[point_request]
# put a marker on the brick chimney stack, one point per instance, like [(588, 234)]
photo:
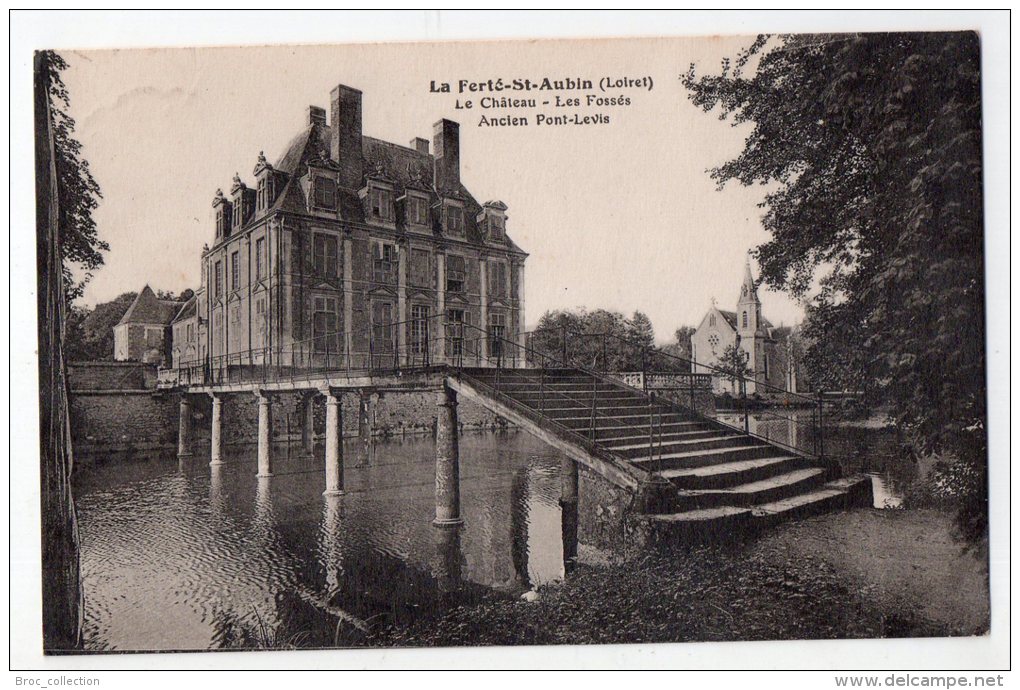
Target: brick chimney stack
[(345, 139), (420, 145), (316, 115), (446, 141)]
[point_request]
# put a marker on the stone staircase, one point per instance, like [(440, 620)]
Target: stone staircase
[(719, 478)]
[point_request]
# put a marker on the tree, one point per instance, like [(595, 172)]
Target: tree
[(599, 340), (639, 330), (733, 361), (79, 194), (89, 333), (872, 145)]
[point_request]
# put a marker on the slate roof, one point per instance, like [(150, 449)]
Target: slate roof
[(404, 166), (147, 308), (187, 311)]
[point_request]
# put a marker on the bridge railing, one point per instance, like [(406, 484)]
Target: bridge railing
[(784, 418)]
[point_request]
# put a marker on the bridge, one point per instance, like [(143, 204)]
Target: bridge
[(649, 434)]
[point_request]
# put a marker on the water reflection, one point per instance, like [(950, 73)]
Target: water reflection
[(858, 447), (195, 557)]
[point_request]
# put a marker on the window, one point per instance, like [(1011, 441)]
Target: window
[(325, 192), (497, 279), (190, 333), (234, 327), (385, 264), (419, 328), (260, 258), (382, 203), (455, 273), (421, 268), (260, 200), (417, 210), (221, 221), (455, 220), (218, 284), (496, 227), (454, 332), (745, 319), (497, 333), (238, 215), (218, 332), (324, 255), (324, 325), (713, 340), (235, 271), (711, 320), (382, 327), (261, 323)]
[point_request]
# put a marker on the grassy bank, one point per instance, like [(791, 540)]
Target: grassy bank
[(866, 573)]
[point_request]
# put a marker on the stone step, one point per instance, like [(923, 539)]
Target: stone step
[(732, 473), (605, 432), (712, 456), (720, 522), (636, 423), (626, 443), (609, 410), (656, 450), (760, 491)]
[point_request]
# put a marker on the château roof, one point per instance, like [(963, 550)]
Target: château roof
[(405, 166), (188, 310), (147, 308)]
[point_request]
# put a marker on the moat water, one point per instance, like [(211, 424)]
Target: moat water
[(181, 556)]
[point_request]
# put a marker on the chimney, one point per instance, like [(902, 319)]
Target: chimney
[(345, 139), (446, 141), (420, 145), (316, 115)]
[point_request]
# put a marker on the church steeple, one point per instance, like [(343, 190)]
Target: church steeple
[(748, 306)]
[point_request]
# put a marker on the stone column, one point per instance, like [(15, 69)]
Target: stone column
[(265, 436), (484, 291), (216, 431), (184, 429), (440, 321), (308, 423), (365, 416), (402, 302), (334, 446), (568, 513), (447, 461)]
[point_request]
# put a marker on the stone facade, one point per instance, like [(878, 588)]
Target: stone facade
[(349, 250), (143, 333), (110, 376)]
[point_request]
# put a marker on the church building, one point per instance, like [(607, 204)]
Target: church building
[(766, 349), (350, 249)]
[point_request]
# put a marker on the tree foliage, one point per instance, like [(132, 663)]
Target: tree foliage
[(79, 193), (597, 339), (871, 145), (89, 332)]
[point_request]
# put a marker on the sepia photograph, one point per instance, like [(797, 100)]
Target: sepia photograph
[(588, 341)]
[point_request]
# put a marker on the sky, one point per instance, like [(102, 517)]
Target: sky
[(621, 216)]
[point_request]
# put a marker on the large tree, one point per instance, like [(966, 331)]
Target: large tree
[(81, 248), (871, 147)]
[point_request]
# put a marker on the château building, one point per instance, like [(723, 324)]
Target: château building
[(348, 247), (143, 333)]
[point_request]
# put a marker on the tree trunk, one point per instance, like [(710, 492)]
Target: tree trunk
[(62, 596)]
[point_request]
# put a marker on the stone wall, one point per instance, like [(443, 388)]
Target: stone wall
[(609, 526), (123, 421), (108, 376)]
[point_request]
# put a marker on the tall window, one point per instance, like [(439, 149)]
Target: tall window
[(218, 284), (324, 255), (711, 320), (261, 197), (235, 271), (382, 203), (385, 264), (497, 279), (497, 332), (455, 332), (417, 210), (324, 325), (238, 216), (234, 327), (221, 222), (260, 258), (382, 327), (325, 193), (419, 328), (421, 268), (455, 273), (745, 319), (261, 323), (496, 227), (218, 331), (455, 220)]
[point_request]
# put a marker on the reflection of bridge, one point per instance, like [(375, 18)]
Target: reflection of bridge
[(681, 469)]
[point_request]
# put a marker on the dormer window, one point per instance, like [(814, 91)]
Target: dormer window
[(496, 227), (493, 219), (385, 264), (455, 220), (324, 190), (381, 201), (417, 210), (263, 194), (223, 220)]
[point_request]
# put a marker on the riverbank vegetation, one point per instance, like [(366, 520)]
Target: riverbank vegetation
[(864, 574)]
